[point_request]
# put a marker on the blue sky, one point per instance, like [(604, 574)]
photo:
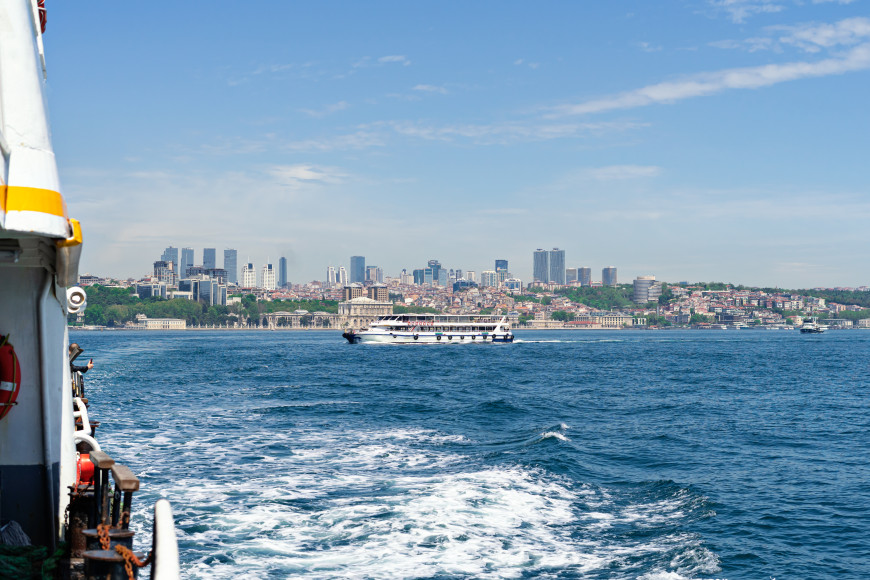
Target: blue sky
[(694, 140)]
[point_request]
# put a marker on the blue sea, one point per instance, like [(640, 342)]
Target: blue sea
[(567, 454)]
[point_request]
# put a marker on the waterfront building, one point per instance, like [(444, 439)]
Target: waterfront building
[(557, 266), (353, 290), (570, 275), (357, 269), (541, 266), (362, 311), (249, 276), (145, 323), (342, 275), (186, 262), (330, 277), (282, 272), (379, 293), (646, 289), (268, 278), (209, 258), (231, 266), (608, 276), (584, 276), (489, 279), (170, 254)]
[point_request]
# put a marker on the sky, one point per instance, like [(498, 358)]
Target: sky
[(696, 140)]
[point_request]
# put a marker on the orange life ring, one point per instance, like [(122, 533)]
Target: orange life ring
[(10, 376)]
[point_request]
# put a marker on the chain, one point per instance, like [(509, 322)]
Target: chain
[(103, 533), (130, 559)]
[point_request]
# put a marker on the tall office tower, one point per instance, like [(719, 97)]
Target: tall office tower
[(268, 277), (584, 275), (209, 258), (163, 271), (330, 277), (428, 277), (282, 272), (501, 265), (231, 265), (435, 266), (419, 276), (570, 275), (342, 275), (442, 278), (471, 276), (458, 274), (406, 279), (374, 274), (170, 254), (357, 269), (186, 262), (249, 276), (608, 276), (489, 279), (557, 266), (541, 266)]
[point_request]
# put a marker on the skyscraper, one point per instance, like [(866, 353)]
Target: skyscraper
[(557, 266), (170, 254), (584, 276), (331, 278), (570, 275), (249, 276), (435, 266), (186, 262), (541, 266), (489, 279), (231, 265), (357, 269), (501, 265), (268, 277), (342, 275), (282, 272), (209, 258), (608, 276)]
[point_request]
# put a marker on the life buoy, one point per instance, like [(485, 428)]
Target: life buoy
[(10, 376), (449, 338), (416, 337), (438, 337)]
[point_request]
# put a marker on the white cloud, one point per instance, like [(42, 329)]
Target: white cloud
[(740, 10), (507, 133), (616, 172), (815, 37), (326, 110), (296, 175), (431, 89), (397, 58), (858, 58)]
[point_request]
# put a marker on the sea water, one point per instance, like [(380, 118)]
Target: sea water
[(573, 454)]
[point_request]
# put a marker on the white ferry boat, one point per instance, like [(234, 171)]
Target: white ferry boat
[(434, 329), (812, 326)]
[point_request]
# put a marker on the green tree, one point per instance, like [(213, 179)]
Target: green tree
[(561, 315)]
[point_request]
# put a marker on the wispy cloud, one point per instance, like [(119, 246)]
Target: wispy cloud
[(740, 10), (524, 62), (368, 61), (431, 89), (811, 37), (506, 133), (294, 176), (326, 110), (618, 172), (858, 58)]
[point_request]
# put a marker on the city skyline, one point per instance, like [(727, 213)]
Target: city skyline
[(699, 140)]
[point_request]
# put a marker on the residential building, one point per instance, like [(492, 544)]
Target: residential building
[(489, 279), (342, 275), (249, 276), (268, 278), (608, 276), (541, 266), (331, 277), (379, 293), (357, 269), (165, 272), (570, 275), (231, 266), (353, 290)]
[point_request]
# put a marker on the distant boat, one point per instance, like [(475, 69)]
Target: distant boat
[(812, 326)]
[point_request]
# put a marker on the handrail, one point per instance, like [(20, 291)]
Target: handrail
[(165, 544), (83, 414), (80, 436)]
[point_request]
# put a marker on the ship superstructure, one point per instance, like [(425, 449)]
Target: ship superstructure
[(434, 329)]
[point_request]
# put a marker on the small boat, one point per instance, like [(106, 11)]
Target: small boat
[(812, 326), (434, 329)]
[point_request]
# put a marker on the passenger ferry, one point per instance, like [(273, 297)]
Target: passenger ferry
[(434, 329)]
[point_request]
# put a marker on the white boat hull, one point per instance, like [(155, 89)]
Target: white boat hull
[(427, 337)]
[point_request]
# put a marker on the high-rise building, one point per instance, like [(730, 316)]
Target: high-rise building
[(584, 276), (379, 293), (374, 274), (419, 276), (186, 262), (170, 254), (164, 272), (282, 272), (209, 258), (541, 266), (646, 289), (557, 266), (231, 266), (471, 276), (249, 276), (489, 279), (331, 278), (428, 277), (608, 276), (353, 290), (357, 269), (501, 265), (268, 277), (570, 275), (342, 275)]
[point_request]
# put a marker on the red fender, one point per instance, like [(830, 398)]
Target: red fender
[(10, 377)]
